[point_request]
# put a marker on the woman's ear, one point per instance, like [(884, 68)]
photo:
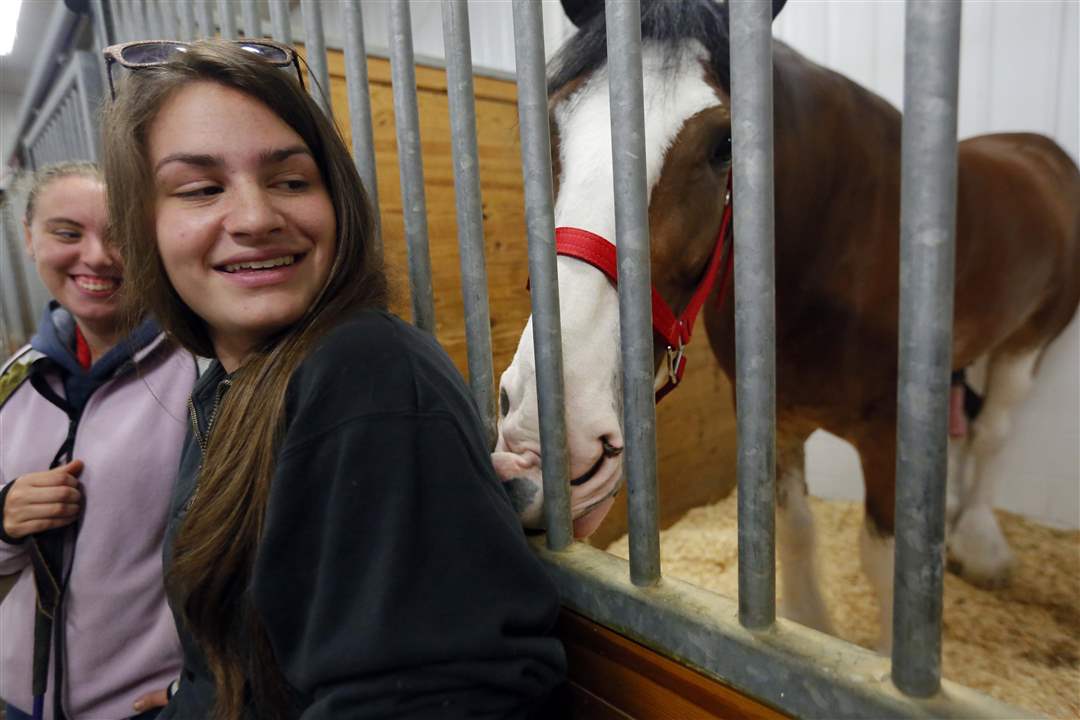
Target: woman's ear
[(28, 239)]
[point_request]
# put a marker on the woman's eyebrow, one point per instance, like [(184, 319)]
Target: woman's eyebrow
[(62, 221), (269, 157), (190, 159)]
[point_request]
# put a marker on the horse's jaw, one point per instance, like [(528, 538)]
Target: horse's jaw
[(589, 313)]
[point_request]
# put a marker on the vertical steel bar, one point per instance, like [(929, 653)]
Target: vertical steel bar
[(205, 10), (227, 19), (470, 216), (139, 27), (104, 29), (635, 284), (755, 306), (153, 20), (168, 19), (252, 25), (187, 21), (363, 137), (279, 20), (18, 270), (540, 224), (315, 52), (414, 205), (927, 259)]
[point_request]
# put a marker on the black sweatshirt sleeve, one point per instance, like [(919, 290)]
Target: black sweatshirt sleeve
[(393, 577)]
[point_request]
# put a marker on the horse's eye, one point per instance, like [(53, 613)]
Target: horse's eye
[(721, 150)]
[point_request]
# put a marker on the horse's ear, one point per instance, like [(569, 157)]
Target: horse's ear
[(582, 11)]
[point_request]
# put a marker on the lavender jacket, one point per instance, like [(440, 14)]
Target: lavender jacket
[(120, 639)]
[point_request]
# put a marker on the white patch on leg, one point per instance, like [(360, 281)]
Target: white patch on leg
[(796, 541), (978, 551), (878, 555), (957, 479)]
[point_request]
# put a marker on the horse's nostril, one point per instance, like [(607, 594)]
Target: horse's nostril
[(504, 402), (609, 449)]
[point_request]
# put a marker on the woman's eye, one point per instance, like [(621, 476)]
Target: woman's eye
[(67, 235), (295, 185), (199, 192)]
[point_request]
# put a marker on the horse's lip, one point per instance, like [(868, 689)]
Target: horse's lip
[(590, 472)]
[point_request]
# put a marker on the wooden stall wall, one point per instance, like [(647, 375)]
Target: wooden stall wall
[(696, 424)]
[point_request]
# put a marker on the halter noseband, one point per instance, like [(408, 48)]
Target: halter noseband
[(675, 330)]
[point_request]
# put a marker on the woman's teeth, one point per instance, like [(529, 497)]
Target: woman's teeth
[(97, 284), (261, 264)]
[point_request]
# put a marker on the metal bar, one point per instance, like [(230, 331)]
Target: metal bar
[(755, 306), (470, 215), (798, 670), (168, 19), (18, 271), (635, 284), (414, 205), (315, 53), (104, 34), (543, 273), (227, 19), (153, 20), (69, 117), (363, 137), (927, 260), (91, 91), (279, 20), (139, 23), (121, 20), (252, 24), (205, 10), (187, 21)]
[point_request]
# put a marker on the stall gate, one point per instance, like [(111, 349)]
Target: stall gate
[(742, 645)]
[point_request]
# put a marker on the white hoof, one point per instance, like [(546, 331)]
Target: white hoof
[(978, 551)]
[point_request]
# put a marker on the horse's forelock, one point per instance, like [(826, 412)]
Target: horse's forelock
[(666, 24)]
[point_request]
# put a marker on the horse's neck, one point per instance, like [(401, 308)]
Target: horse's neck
[(837, 159)]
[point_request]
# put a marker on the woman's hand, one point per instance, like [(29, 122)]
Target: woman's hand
[(151, 700), (43, 500)]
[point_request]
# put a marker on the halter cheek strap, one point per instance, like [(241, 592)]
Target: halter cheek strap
[(674, 329)]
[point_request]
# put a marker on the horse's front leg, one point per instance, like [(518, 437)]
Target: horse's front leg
[(796, 540), (876, 444)]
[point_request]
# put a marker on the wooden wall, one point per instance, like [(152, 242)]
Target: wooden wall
[(696, 429)]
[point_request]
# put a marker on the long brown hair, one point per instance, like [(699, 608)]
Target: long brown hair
[(216, 544)]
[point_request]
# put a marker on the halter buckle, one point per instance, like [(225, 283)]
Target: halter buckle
[(674, 361)]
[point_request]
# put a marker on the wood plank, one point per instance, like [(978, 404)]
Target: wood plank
[(611, 674)]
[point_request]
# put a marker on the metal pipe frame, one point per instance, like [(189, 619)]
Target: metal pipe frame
[(543, 270), (927, 262), (187, 21), (205, 9), (168, 19), (798, 670), (470, 214), (280, 26), (252, 23), (363, 137), (315, 54), (413, 202), (635, 285), (755, 306), (227, 19)]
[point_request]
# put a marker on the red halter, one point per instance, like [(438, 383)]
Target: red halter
[(675, 330)]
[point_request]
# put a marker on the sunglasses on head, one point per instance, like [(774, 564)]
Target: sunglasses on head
[(147, 53)]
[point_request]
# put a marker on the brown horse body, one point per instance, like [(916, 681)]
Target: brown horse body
[(837, 200), (837, 186)]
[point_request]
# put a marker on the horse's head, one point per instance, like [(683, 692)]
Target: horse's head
[(688, 154)]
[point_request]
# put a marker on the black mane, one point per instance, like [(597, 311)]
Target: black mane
[(666, 22)]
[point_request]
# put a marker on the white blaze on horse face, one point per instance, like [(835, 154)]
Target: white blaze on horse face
[(675, 89)]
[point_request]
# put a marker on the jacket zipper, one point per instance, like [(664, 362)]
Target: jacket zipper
[(219, 392), (204, 440)]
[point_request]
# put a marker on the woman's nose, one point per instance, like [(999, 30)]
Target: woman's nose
[(252, 214), (99, 254)]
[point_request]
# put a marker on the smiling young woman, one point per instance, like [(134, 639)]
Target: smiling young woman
[(340, 544), (78, 467)]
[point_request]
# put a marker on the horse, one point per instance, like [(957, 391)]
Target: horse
[(837, 190)]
